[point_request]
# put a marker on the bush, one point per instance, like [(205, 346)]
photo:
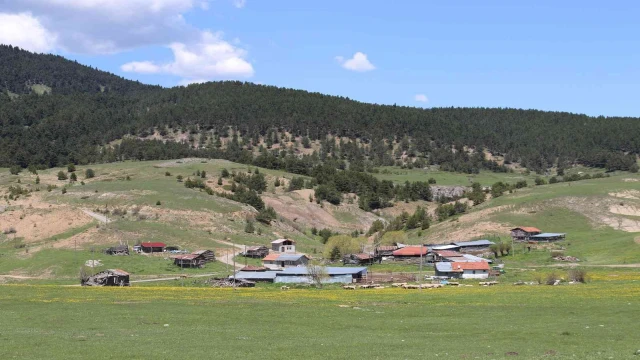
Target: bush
[(166, 173), (249, 228), (325, 234), (89, 173), (179, 178), (431, 181), (37, 180), (296, 183), (540, 181), (266, 215), (158, 203), (376, 226), (15, 170), (224, 173), (62, 175), (73, 178), (552, 278), (328, 193), (71, 168), (578, 275), (64, 190)]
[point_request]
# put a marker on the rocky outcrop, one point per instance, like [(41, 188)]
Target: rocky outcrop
[(447, 191)]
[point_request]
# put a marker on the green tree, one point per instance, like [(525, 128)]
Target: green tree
[(15, 170), (249, 228), (71, 167), (62, 175), (89, 173), (37, 180), (73, 178)]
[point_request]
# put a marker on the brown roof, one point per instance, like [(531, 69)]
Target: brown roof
[(280, 241), (256, 247), (363, 256), (447, 253), (253, 268), (187, 257), (411, 251), (387, 248), (271, 257), (529, 229), (479, 265), (200, 252)]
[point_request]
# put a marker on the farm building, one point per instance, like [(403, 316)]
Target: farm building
[(410, 252), (524, 233), (443, 247), (359, 259), (441, 255), (117, 250), (385, 250), (548, 237), (463, 270), (109, 277), (284, 245), (195, 259), (152, 247), (295, 275), (256, 252), (475, 245), (284, 260), (464, 258)]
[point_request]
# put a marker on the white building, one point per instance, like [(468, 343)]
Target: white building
[(463, 270), (284, 246)]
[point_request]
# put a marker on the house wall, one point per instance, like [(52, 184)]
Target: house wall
[(479, 274), (340, 279)]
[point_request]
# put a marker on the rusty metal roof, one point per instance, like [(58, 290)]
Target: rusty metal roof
[(363, 256), (253, 268), (153, 244), (529, 229), (271, 257), (411, 251)]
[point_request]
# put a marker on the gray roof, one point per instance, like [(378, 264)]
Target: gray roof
[(444, 247), (302, 270), (255, 275), (444, 267), (546, 235), (290, 257), (473, 243), (466, 258)]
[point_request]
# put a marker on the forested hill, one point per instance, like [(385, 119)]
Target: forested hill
[(88, 108), (20, 70)]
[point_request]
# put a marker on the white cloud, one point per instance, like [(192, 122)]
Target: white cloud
[(210, 58), (358, 62), (421, 98), (109, 26), (26, 31), (144, 67), (239, 3)]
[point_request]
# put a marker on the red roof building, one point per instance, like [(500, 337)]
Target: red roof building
[(470, 266), (151, 247), (411, 251)]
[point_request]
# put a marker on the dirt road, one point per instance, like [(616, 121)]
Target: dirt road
[(96, 216), (228, 256)]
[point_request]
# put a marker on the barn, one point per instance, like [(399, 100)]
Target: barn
[(109, 277), (152, 247), (524, 233)]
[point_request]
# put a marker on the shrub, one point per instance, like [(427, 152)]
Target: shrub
[(166, 173), (296, 183), (249, 228), (179, 178), (540, 181), (62, 175), (64, 190), (431, 181), (89, 173), (277, 182), (224, 173), (73, 177), (266, 215), (15, 170), (71, 168), (376, 226), (578, 275), (158, 203), (552, 277), (325, 234), (220, 181), (203, 174), (37, 180)]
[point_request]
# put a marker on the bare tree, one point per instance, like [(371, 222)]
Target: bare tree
[(317, 273)]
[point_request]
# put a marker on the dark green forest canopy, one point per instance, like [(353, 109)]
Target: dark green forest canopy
[(88, 108)]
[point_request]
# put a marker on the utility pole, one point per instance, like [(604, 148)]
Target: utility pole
[(233, 253), (420, 275)]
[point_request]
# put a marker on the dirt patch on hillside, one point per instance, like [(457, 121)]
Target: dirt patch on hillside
[(400, 207), (627, 194), (629, 210), (36, 224), (603, 211), (630, 180)]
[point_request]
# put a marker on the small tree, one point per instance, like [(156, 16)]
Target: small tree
[(64, 190), (166, 173), (32, 169), (15, 170), (203, 174), (62, 175), (73, 178), (71, 168), (37, 180), (249, 228), (224, 173), (179, 178), (89, 173), (317, 273), (220, 181), (158, 203), (335, 254), (277, 182)]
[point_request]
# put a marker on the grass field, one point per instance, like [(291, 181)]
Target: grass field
[(592, 321)]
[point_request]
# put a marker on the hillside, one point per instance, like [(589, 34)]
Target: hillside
[(83, 110)]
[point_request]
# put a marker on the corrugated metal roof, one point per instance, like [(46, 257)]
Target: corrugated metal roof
[(474, 243), (387, 248), (470, 257), (118, 272), (280, 241), (546, 235), (411, 251), (253, 268), (302, 270), (447, 253), (466, 258), (444, 267), (271, 257), (153, 244), (256, 275), (187, 257), (444, 247), (290, 257), (471, 265)]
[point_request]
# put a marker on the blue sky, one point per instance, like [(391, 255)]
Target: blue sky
[(578, 56)]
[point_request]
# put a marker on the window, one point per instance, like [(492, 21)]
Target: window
[(474, 271)]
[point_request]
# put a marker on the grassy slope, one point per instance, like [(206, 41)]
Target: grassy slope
[(477, 323)]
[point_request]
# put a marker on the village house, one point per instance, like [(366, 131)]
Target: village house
[(524, 233), (473, 246), (411, 253), (359, 259), (196, 259), (284, 245), (256, 252), (117, 250), (152, 247), (109, 277), (275, 261), (385, 250), (300, 275), (463, 270)]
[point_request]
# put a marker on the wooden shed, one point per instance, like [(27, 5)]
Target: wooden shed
[(524, 233), (196, 259), (256, 252), (109, 277), (152, 247), (117, 250)]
